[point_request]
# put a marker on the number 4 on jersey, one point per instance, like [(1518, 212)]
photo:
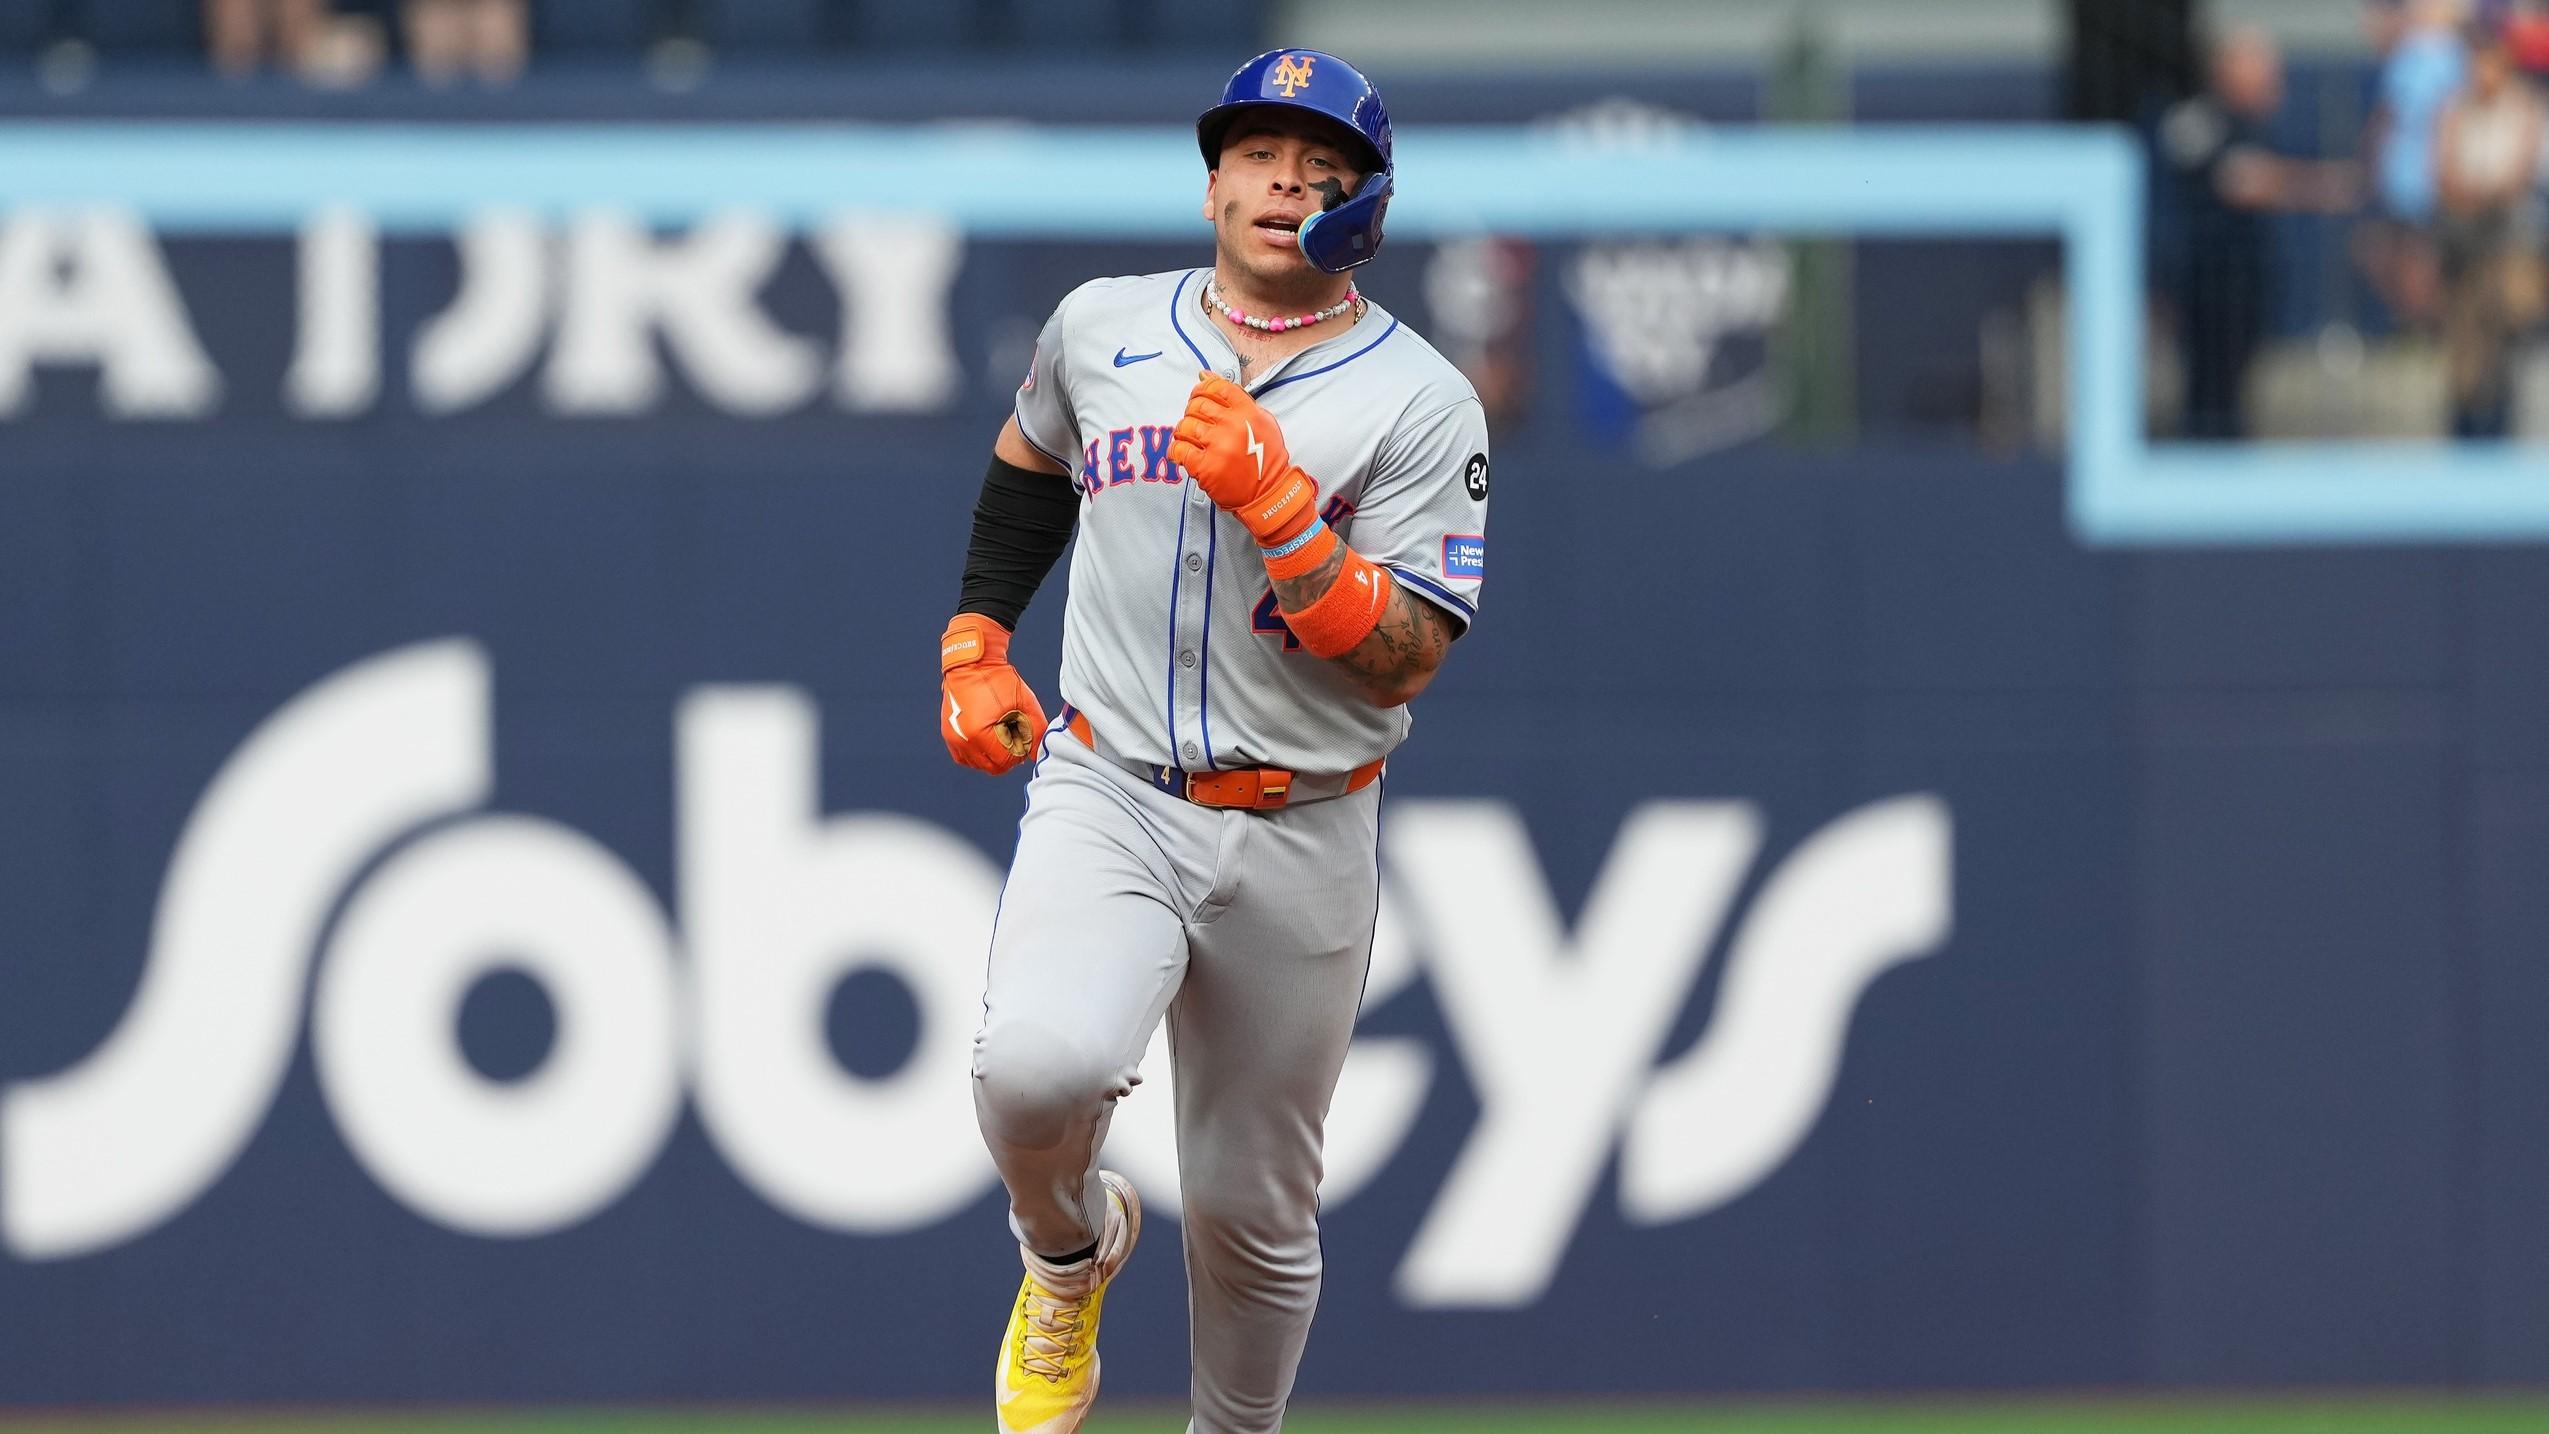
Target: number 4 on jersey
[(1268, 621)]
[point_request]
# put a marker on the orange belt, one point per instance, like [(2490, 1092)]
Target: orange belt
[(1259, 789)]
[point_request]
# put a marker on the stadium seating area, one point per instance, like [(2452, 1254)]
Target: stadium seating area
[(604, 31)]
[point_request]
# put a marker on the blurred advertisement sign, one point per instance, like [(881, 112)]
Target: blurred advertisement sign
[(367, 790), (599, 307), (1677, 342)]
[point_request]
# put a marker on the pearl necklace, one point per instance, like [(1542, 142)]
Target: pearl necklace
[(1212, 296)]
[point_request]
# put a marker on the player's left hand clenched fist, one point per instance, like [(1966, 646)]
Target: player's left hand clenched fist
[(989, 717), (1235, 451)]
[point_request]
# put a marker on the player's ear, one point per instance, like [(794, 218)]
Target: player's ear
[(1212, 177)]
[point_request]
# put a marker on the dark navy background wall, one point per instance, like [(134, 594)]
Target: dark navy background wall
[(2227, 1074)]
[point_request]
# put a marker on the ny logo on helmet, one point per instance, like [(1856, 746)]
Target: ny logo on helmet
[(1290, 74)]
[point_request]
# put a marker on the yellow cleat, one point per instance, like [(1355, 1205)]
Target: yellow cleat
[(1048, 1362)]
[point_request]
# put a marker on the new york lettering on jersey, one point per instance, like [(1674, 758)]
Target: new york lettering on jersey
[(1110, 461), (1166, 638)]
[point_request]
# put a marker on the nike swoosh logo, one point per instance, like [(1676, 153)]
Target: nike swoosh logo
[(1121, 360)]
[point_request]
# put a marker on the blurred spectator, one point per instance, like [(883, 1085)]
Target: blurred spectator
[(2220, 181), (2423, 65), (2487, 151), (244, 35), (447, 39), (2128, 59), (2527, 35), (305, 37), (1480, 294)]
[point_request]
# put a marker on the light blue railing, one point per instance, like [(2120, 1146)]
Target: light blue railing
[(1017, 181)]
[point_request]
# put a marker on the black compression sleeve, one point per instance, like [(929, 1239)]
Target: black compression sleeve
[(1022, 522)]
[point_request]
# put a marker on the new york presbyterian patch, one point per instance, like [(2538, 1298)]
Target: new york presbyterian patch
[(1465, 556)]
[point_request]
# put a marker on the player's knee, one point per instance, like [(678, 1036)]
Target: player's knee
[(1033, 1083), (1250, 1220)]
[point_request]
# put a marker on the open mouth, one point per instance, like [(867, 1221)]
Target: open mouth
[(1280, 226)]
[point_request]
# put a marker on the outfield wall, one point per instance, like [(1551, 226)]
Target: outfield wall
[(2014, 966)]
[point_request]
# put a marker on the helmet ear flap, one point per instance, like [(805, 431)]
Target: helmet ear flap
[(1338, 239)]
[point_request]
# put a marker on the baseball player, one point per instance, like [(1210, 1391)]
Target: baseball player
[(1280, 493)]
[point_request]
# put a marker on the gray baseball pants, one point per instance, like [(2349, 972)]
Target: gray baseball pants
[(1251, 932)]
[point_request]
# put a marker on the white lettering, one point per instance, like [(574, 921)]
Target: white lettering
[(487, 338), (481, 1156), (780, 905), (1555, 1033), (1560, 1034), (1861, 896), (97, 1154), (894, 277), (623, 288), (90, 287), (336, 359)]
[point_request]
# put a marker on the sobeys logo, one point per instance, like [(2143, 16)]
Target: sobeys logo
[(374, 778)]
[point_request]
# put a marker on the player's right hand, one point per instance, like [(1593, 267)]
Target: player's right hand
[(987, 715)]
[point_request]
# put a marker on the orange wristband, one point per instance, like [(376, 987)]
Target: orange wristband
[(1346, 614)]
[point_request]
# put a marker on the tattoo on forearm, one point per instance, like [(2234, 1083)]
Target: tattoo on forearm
[(1406, 645), (1409, 641)]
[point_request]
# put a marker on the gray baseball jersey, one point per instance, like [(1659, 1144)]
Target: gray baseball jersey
[(1172, 643), (1250, 931)]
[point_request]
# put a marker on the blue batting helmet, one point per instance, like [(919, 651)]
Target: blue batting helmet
[(1347, 232)]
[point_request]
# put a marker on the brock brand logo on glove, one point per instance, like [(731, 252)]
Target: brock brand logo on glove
[(367, 790)]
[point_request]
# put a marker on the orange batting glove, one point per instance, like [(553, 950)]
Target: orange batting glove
[(990, 721), (1235, 450)]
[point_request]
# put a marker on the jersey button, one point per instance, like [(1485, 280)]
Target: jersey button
[(1192, 752), (1194, 562), (1185, 659)]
